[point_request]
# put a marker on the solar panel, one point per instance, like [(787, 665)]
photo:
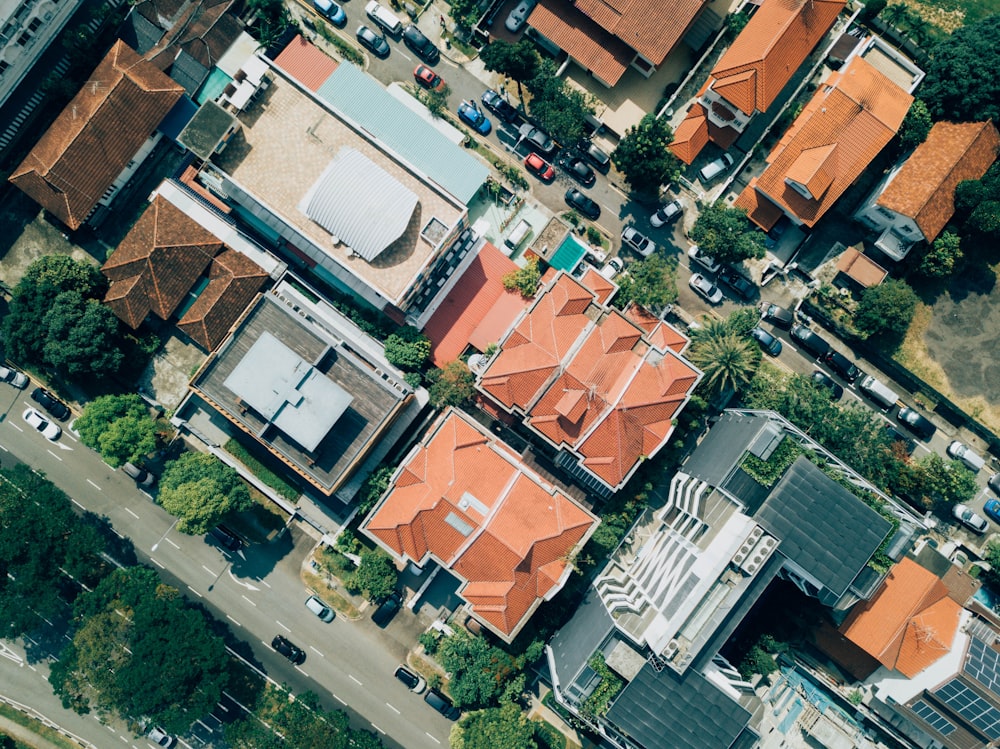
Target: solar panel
[(965, 702), (983, 665), (933, 718)]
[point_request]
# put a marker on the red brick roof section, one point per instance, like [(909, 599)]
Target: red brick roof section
[(650, 27), (234, 280), (96, 135), (306, 63), (464, 498)]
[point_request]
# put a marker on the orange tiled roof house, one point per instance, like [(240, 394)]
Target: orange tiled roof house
[(916, 199), (600, 386), (463, 499)]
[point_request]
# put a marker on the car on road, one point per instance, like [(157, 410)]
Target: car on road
[(292, 652), (143, 478), (810, 342), (580, 202), (779, 317), (822, 380), (12, 377), (442, 704), (992, 510), (413, 682), (597, 157), (225, 538), (972, 460), (537, 140), (373, 42), (994, 483), (517, 17), (160, 737), (34, 419), (842, 365), (539, 167), (50, 403), (916, 423), (332, 12), (705, 261), (768, 342), (667, 214), (420, 45), (387, 610), (715, 168), (705, 288), (578, 169), (612, 268), (970, 519), (497, 104), (473, 116), (742, 286), (427, 78), (637, 241), (320, 609)]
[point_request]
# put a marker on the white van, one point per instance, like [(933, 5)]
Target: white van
[(516, 238), (964, 453), (384, 18), (878, 392)]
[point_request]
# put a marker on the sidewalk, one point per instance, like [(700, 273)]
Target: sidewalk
[(26, 736)]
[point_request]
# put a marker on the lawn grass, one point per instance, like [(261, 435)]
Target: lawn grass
[(261, 471), (330, 595), (40, 729)]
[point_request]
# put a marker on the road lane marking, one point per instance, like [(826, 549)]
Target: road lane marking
[(338, 699), (53, 455), (379, 730), (157, 563), (195, 592), (301, 671), (78, 504), (351, 677), (94, 485), (172, 543), (262, 581), (436, 741), (131, 513), (316, 652), (16, 426), (404, 55), (249, 601), (210, 572), (392, 708), (4, 449), (282, 626), (233, 620), (207, 727), (121, 536)]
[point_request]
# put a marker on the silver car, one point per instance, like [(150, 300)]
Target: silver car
[(518, 16), (705, 288), (320, 609), (717, 167), (638, 241), (12, 377), (971, 520)]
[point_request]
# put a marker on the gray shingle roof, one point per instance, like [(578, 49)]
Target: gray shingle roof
[(575, 642)]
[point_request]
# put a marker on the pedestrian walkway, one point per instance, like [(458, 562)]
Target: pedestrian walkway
[(26, 736)]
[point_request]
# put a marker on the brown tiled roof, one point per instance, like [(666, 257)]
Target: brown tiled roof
[(157, 263), (234, 280), (691, 134), (865, 271), (205, 30), (773, 45), (924, 188), (650, 27), (853, 115), (96, 135), (593, 47), (759, 209), (465, 498), (306, 63)]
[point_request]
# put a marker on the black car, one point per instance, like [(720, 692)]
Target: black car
[(842, 365), (143, 478), (442, 704), (779, 317), (578, 169), (387, 610), (595, 156), (894, 436), (768, 342), (420, 45), (916, 423), (293, 653), (50, 403), (823, 380), (413, 682), (580, 202), (226, 538), (736, 282), (499, 105), (809, 341), (537, 140), (373, 42)]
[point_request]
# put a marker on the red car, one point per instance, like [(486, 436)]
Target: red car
[(428, 78), (539, 167)]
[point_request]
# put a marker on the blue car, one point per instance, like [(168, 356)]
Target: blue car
[(332, 12), (992, 510), (474, 118)]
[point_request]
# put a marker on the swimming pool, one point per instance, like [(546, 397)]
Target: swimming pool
[(569, 254)]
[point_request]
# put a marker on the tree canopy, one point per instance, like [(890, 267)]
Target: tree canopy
[(886, 309), (375, 577), (118, 427), (558, 108), (941, 258), (519, 61), (480, 672), (916, 125), (724, 233), (525, 279), (492, 728), (978, 203), (650, 283), (726, 356), (200, 489), (643, 157), (961, 83), (408, 348), (452, 385)]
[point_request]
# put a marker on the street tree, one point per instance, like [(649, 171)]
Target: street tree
[(644, 158), (83, 337), (375, 577), (650, 283), (200, 490), (728, 360), (945, 481), (506, 726), (480, 671), (119, 427), (916, 125), (436, 100), (886, 309), (961, 83), (407, 348), (464, 13), (978, 202), (941, 258), (560, 109), (724, 233), (452, 385), (518, 61)]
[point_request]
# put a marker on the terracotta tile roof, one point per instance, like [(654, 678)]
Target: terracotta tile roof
[(606, 385), (770, 49), (853, 115), (157, 263), (759, 209), (465, 499), (603, 288), (593, 47), (96, 135), (865, 271), (650, 27), (909, 624), (234, 280), (691, 135), (924, 188), (306, 63)]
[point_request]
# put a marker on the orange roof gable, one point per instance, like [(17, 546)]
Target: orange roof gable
[(594, 48), (691, 135), (650, 27), (858, 110), (924, 188)]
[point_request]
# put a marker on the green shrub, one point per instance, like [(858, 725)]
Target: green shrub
[(261, 471), (429, 641)]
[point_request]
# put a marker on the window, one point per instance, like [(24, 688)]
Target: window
[(24, 38), (35, 24)]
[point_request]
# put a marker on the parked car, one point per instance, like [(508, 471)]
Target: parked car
[(732, 278), (539, 167), (320, 609), (537, 140), (332, 12), (143, 478), (226, 538), (374, 43), (442, 704), (705, 288), (810, 342), (916, 423), (667, 214), (413, 682), (896, 436), (768, 342), (420, 45), (715, 168), (823, 380), (994, 483), (387, 610), (637, 241), (35, 420), (517, 17), (972, 460), (992, 510), (472, 116), (284, 646), (160, 737), (580, 202), (50, 403), (970, 519), (597, 157), (779, 317), (578, 169), (499, 105), (12, 377), (613, 267), (427, 78), (842, 365), (384, 18), (705, 261)]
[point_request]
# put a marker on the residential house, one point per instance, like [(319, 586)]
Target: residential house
[(100, 139), (601, 387), (463, 500), (753, 72), (916, 199)]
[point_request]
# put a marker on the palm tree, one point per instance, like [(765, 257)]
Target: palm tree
[(728, 359)]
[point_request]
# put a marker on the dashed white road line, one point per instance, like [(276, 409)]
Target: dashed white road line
[(351, 677), (233, 620), (301, 671), (157, 563), (78, 504), (338, 699), (94, 485), (379, 730), (287, 629), (16, 426), (172, 543), (316, 652), (392, 708), (210, 572), (249, 601), (53, 455), (4, 449), (131, 513), (436, 740), (195, 592), (265, 582)]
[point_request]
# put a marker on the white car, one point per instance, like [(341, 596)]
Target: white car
[(160, 737), (519, 15), (667, 214), (705, 288), (970, 519), (717, 167), (613, 268), (960, 451), (12, 377), (638, 241), (705, 261), (35, 420)]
